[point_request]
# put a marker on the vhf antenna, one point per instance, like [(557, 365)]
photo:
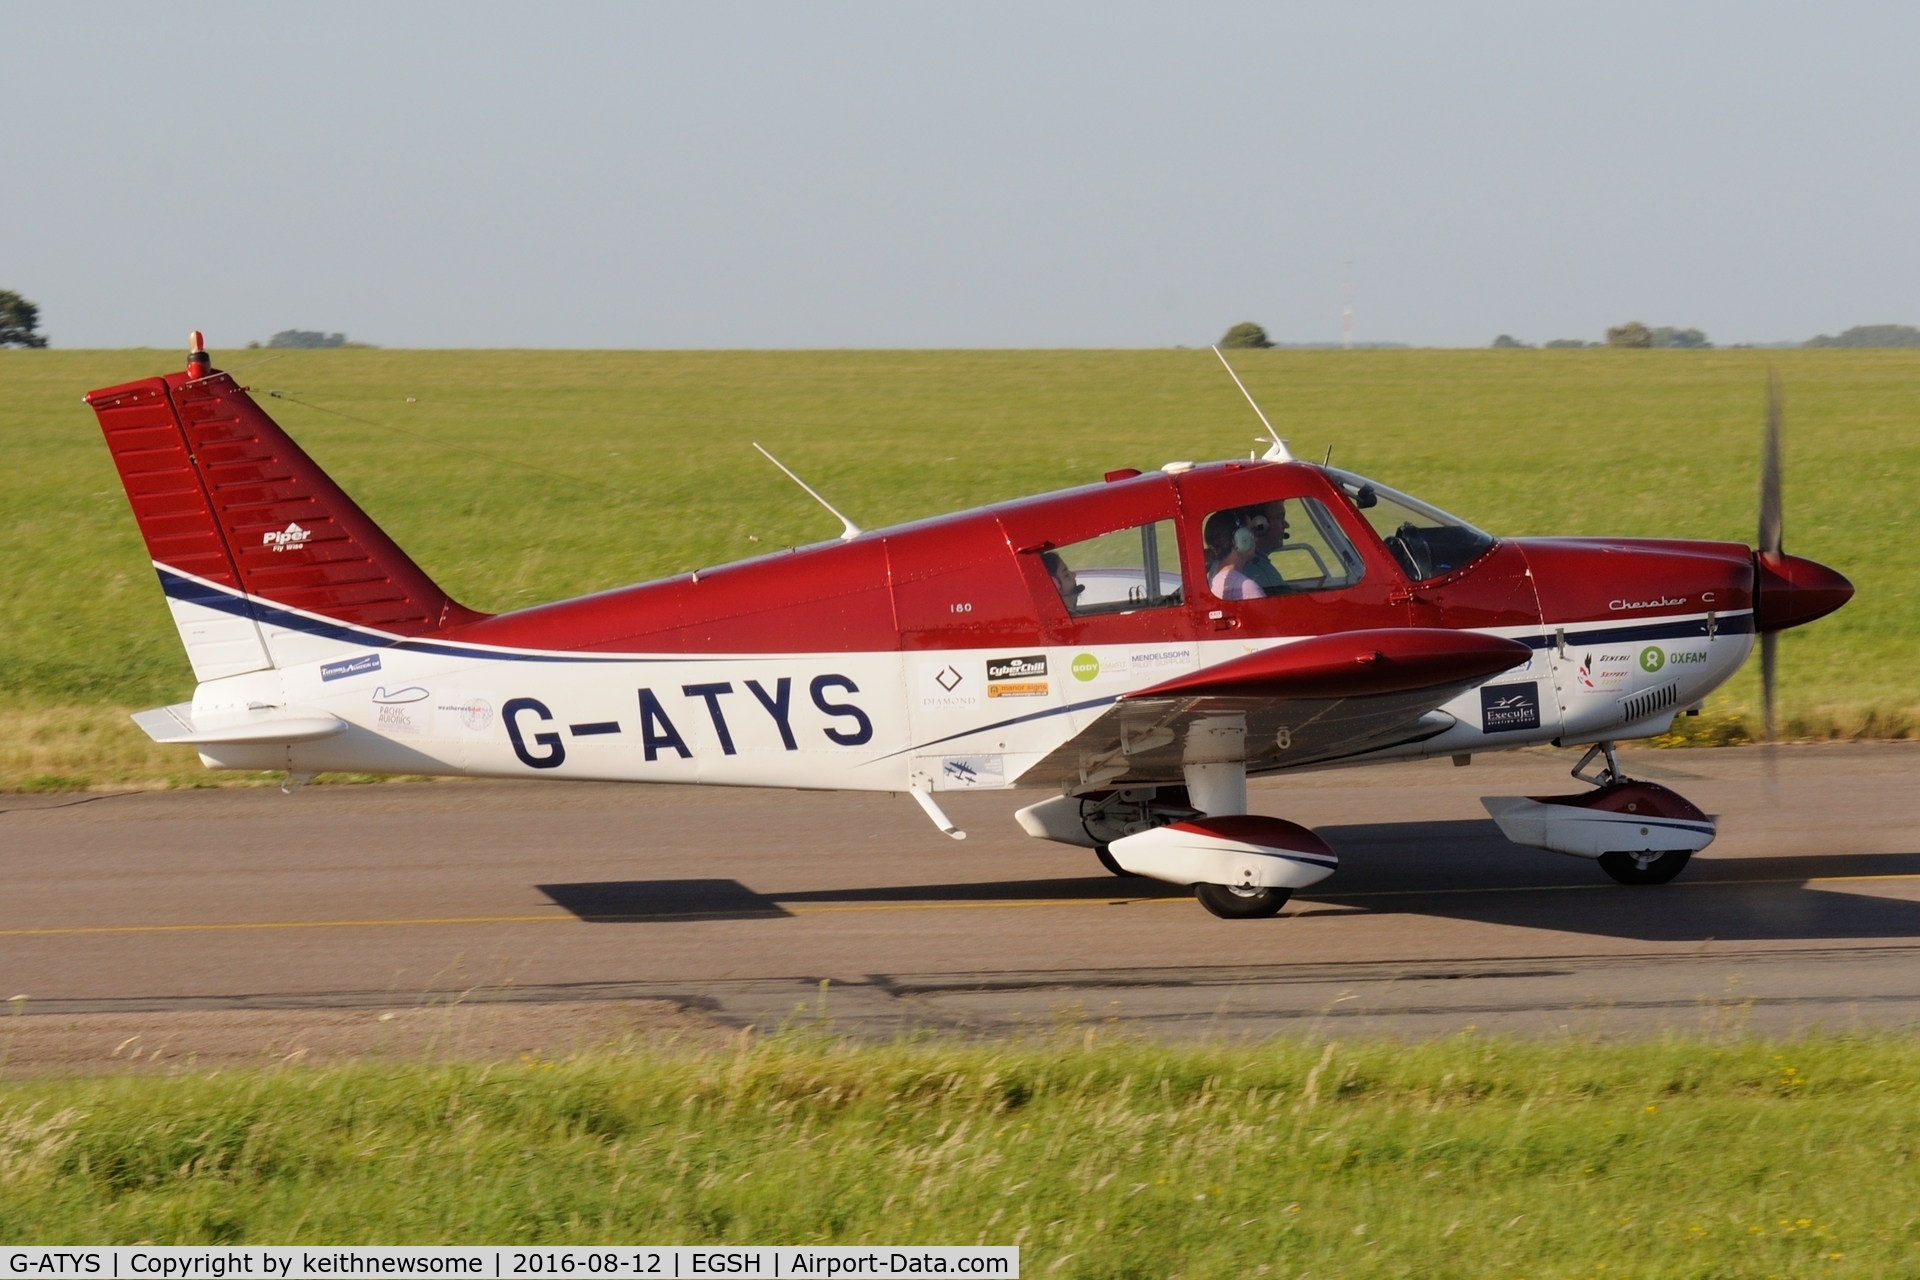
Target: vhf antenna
[(848, 529), (1276, 452)]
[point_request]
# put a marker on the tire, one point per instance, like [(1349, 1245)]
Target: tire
[(1626, 868), (1112, 863), (1241, 904)]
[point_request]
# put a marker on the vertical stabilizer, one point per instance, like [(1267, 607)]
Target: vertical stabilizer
[(264, 559)]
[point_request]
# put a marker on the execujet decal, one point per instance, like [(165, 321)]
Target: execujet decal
[(536, 736)]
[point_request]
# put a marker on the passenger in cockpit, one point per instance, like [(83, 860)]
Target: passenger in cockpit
[(1269, 526), (1230, 545)]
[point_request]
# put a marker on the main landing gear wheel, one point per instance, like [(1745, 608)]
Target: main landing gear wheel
[(1644, 868), (1231, 902), (1112, 863)]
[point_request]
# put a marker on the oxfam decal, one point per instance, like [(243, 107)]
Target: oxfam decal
[(1652, 658), (1085, 667)]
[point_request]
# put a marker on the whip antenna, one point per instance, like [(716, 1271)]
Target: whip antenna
[(849, 530), (1276, 452)]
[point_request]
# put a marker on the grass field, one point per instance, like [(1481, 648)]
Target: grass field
[(1457, 1157), (516, 477)]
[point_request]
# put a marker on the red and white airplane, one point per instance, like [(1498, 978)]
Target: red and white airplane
[(1137, 648)]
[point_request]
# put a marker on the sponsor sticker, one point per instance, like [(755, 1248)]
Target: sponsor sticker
[(1152, 660), (1505, 707), (400, 719), (402, 712), (945, 687), (959, 773), (1085, 667), (462, 713), (1652, 658), (359, 666), (1024, 667), (1600, 672), (1018, 689)]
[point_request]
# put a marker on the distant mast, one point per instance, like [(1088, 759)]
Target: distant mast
[(1346, 314)]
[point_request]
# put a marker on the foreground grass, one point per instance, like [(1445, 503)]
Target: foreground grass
[(1458, 1157), (517, 477)]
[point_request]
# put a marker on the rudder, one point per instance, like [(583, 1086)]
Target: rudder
[(264, 559)]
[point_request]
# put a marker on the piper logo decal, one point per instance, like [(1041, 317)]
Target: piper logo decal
[(280, 539)]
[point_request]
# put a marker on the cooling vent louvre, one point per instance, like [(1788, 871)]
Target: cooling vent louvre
[(1641, 705)]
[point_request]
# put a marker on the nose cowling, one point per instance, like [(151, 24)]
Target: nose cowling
[(1789, 591)]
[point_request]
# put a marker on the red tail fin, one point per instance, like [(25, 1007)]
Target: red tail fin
[(222, 493)]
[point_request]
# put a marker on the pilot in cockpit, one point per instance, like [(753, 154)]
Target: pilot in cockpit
[(1064, 579)]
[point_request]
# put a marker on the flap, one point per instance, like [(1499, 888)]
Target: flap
[(1307, 702)]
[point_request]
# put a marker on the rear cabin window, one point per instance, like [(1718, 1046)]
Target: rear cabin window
[(1424, 539), (1277, 548), (1137, 568)]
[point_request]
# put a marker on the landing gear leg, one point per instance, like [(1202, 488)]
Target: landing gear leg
[(1607, 776)]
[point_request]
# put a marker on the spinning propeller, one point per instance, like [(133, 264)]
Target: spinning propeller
[(1787, 590)]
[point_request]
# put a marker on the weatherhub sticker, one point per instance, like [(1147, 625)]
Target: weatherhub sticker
[(944, 686), (463, 713), (360, 666), (1505, 707)]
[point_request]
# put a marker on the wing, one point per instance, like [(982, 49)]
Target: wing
[(1305, 702)]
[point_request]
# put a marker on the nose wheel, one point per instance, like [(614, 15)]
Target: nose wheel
[(1645, 868), (1233, 902)]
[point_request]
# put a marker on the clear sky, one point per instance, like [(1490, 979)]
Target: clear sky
[(965, 175)]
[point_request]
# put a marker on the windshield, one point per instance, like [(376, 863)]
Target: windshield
[(1425, 540)]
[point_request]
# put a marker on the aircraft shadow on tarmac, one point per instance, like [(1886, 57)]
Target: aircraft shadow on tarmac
[(1462, 870)]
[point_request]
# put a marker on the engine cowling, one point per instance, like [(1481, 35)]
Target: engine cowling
[(1239, 850)]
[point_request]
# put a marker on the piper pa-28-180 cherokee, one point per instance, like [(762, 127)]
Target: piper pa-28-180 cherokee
[(1138, 647)]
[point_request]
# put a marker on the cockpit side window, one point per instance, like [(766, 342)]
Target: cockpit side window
[(1276, 548), (1119, 572), (1426, 541)]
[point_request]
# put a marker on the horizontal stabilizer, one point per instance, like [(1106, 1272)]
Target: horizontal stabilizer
[(270, 726)]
